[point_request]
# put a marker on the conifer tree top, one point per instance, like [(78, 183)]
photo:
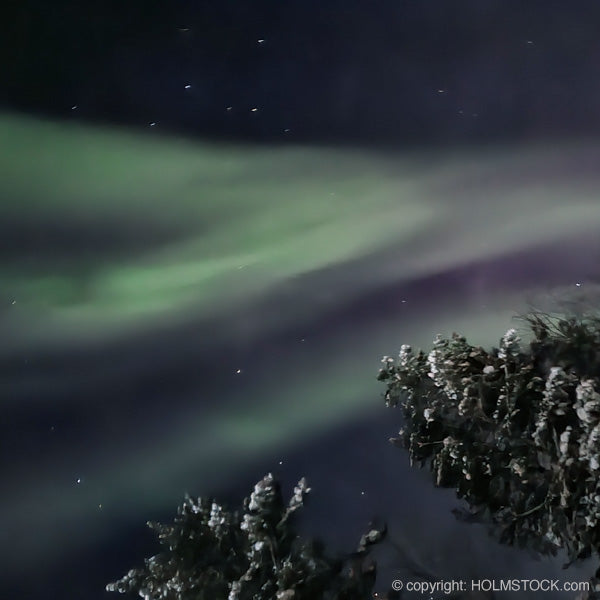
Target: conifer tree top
[(516, 431)]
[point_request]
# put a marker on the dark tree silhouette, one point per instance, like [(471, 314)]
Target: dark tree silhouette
[(255, 554), (516, 432)]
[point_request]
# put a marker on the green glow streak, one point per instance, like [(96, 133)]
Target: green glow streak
[(241, 223), (241, 220)]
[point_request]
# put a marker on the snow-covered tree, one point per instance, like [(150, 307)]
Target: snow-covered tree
[(516, 431), (211, 553)]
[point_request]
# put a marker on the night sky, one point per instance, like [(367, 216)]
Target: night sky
[(217, 217)]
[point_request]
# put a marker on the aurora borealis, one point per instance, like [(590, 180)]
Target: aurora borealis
[(150, 227), (180, 314), (217, 217)]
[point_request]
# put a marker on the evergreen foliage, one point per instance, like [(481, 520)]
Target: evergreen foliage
[(516, 432), (211, 553)]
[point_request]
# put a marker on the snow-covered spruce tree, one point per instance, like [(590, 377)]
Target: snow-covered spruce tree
[(254, 554), (516, 432)]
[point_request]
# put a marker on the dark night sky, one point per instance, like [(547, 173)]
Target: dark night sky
[(328, 71), (216, 218)]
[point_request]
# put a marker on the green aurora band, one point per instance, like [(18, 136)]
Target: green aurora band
[(181, 230)]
